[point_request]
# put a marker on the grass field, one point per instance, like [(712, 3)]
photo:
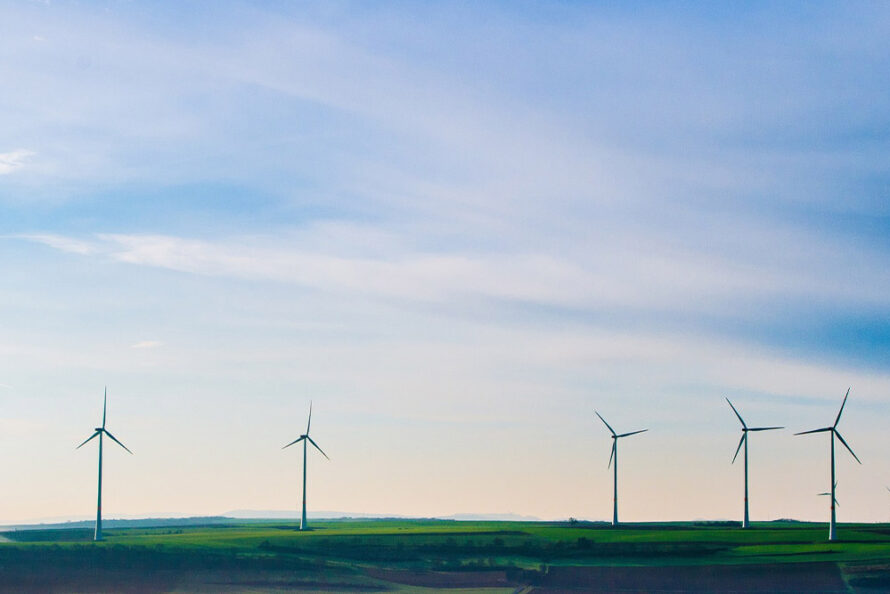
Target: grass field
[(381, 555)]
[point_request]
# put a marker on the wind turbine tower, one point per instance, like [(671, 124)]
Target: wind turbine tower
[(614, 454), (305, 439), (832, 532), (744, 441), (101, 432)]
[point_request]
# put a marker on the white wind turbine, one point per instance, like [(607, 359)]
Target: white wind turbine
[(101, 432), (305, 438), (832, 532), (744, 440), (614, 454)]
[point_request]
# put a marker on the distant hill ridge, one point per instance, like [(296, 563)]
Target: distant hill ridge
[(264, 516), (335, 515), (250, 516), (122, 523)]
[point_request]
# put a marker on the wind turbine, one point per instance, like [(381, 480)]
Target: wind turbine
[(614, 454), (832, 532), (305, 439), (744, 440), (101, 432)]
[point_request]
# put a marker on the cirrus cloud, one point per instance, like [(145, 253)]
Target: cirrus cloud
[(14, 160)]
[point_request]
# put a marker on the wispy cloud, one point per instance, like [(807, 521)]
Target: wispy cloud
[(641, 275), (60, 242), (14, 160)]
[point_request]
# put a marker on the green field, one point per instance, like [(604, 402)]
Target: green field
[(372, 555)]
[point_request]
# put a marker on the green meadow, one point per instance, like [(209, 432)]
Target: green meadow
[(397, 554), (431, 543)]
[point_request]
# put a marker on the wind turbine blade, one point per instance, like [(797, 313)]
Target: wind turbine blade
[(741, 441), (822, 430), (114, 439), (86, 440), (631, 433), (841, 411), (310, 418), (846, 446), (298, 440), (829, 494), (612, 455), (612, 431), (104, 406), (741, 420), (316, 447), (764, 428)]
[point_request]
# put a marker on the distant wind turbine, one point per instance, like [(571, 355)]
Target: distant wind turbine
[(101, 432), (832, 532), (305, 438), (825, 494), (614, 454), (744, 440)]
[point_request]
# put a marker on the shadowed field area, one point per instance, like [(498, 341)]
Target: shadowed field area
[(802, 577), (405, 555)]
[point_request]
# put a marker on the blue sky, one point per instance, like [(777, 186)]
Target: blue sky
[(459, 229)]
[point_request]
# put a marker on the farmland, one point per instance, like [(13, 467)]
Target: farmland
[(394, 555)]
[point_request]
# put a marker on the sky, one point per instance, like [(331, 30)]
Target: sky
[(458, 229)]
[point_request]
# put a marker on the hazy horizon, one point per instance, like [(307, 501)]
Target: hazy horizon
[(458, 229)]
